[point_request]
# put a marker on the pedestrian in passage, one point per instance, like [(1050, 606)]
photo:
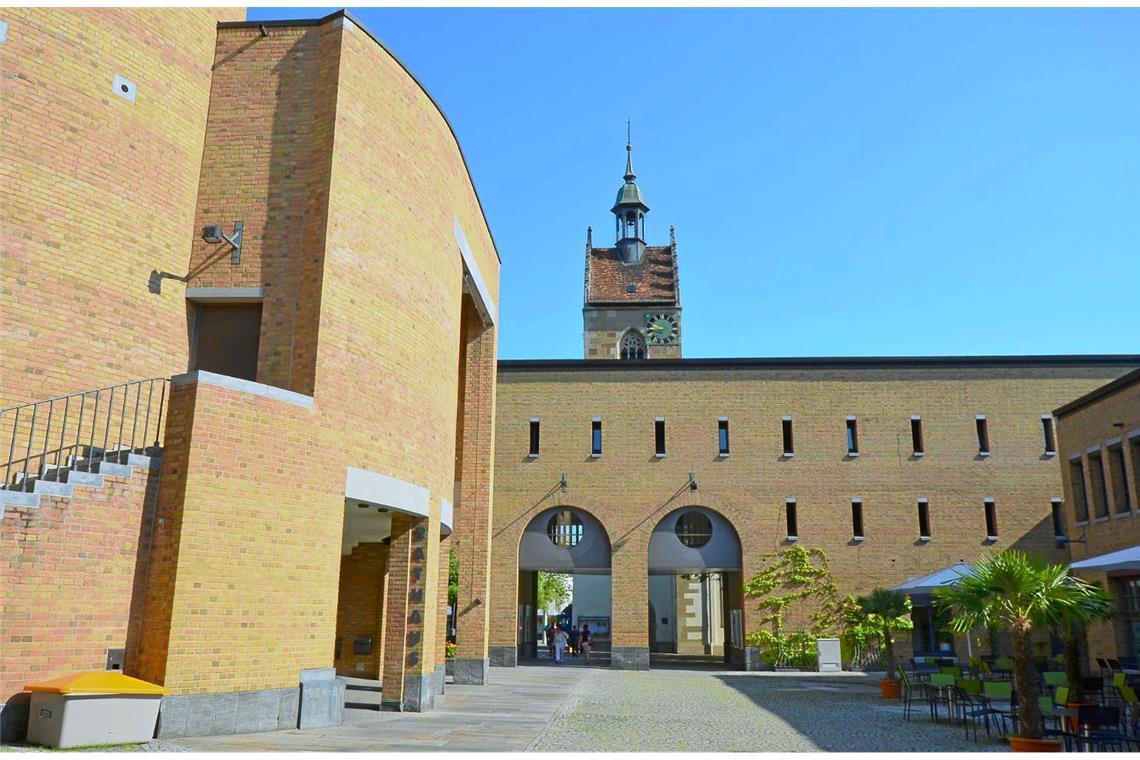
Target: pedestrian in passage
[(560, 640), (585, 643)]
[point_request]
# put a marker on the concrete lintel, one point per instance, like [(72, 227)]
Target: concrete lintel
[(225, 295), (487, 307), (386, 491)]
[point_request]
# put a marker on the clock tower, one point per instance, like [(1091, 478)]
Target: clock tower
[(632, 304)]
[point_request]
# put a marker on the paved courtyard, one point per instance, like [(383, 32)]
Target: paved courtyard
[(577, 709)]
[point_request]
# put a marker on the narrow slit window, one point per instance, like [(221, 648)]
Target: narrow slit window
[(852, 437), (659, 436), (1058, 518), (1099, 484), (722, 435), (924, 519), (790, 515), (991, 519), (1134, 455), (789, 445), (916, 435), (1080, 498), (596, 437), (533, 437), (1048, 433), (1121, 493), (983, 436), (857, 519)]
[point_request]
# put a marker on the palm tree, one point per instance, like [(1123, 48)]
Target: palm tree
[(1017, 592), (1073, 629), (887, 606)]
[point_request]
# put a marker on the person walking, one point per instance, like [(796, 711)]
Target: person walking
[(548, 634), (585, 643), (560, 640)]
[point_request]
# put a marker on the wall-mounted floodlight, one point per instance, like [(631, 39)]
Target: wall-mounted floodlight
[(212, 234), (564, 484), (692, 482)]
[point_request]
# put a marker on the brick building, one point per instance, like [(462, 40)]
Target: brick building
[(249, 358), (1098, 436), (663, 479)]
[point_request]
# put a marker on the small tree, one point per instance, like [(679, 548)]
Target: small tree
[(1017, 592), (553, 588), (888, 611), (793, 575)]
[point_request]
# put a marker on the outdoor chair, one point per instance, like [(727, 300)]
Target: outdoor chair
[(972, 707), (1093, 686), (1002, 701), (939, 691), (1131, 704), (1054, 678), (908, 689), (953, 670)]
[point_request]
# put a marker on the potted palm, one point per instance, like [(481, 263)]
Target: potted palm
[(1017, 592), (1073, 629), (887, 609)]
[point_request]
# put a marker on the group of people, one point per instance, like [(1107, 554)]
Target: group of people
[(559, 640)]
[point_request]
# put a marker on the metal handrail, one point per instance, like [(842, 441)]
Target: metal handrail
[(74, 440)]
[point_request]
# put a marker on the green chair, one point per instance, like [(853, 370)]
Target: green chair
[(1003, 663), (953, 670), (1000, 691), (908, 690), (970, 685), (941, 679), (939, 691), (1119, 679), (1055, 678)]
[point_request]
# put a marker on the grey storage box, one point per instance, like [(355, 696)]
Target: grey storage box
[(94, 707)]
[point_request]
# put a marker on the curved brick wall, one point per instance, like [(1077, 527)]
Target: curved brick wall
[(99, 191)]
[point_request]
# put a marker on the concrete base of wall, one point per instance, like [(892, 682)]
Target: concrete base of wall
[(238, 712), (439, 681), (502, 656), (629, 658), (322, 699), (752, 659), (419, 693), (14, 719), (472, 672)]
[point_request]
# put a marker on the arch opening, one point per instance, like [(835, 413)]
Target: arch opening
[(564, 548)]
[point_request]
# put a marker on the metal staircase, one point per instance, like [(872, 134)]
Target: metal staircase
[(77, 439)]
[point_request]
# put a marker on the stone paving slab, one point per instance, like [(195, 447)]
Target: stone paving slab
[(578, 709)]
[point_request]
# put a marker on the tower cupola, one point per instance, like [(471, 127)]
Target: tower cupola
[(629, 215)]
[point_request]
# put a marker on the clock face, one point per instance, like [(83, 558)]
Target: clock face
[(661, 328)]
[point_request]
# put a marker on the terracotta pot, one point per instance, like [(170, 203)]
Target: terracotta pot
[(1019, 744), (890, 689)]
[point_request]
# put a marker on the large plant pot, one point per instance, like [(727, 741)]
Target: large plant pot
[(890, 689), (1019, 744)]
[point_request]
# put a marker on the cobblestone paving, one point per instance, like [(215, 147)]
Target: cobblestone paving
[(672, 710)]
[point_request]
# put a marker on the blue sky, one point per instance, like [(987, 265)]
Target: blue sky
[(842, 182)]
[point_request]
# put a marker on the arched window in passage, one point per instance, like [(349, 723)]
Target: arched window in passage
[(565, 529), (693, 529)]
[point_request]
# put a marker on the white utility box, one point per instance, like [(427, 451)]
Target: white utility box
[(94, 707), (830, 659)]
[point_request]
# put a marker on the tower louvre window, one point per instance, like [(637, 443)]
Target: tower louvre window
[(789, 444), (790, 517), (632, 345), (852, 436), (983, 435), (857, 519), (924, 520), (533, 437), (916, 435), (659, 436), (596, 437), (722, 435), (991, 519)]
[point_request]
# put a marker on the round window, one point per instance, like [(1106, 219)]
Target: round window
[(694, 529), (565, 529)]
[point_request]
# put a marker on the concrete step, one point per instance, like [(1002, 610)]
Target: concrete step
[(60, 481)]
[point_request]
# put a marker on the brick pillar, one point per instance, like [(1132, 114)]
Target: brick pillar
[(441, 616), (407, 684), (473, 513), (629, 607)]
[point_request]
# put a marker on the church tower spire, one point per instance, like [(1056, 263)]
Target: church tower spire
[(629, 211)]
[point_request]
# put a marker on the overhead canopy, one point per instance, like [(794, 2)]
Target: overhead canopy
[(1125, 559), (921, 590)]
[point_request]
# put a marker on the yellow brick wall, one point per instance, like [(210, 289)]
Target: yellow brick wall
[(98, 192), (629, 490), (1109, 419)]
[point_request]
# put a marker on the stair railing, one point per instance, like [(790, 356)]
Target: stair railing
[(80, 430)]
